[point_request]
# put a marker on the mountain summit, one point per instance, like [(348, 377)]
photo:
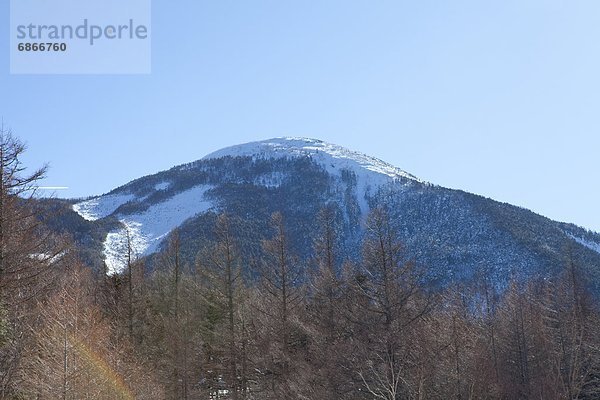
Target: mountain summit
[(453, 234), (146, 229), (332, 157)]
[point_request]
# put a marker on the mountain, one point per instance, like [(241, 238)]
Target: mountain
[(453, 234)]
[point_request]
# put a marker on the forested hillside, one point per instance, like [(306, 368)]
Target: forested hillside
[(242, 303)]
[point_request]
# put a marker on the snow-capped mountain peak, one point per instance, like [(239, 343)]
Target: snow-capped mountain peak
[(332, 157), (452, 231), (162, 204)]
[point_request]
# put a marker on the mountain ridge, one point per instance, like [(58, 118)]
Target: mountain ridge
[(452, 231)]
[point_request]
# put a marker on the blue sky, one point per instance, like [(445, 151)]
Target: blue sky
[(498, 98)]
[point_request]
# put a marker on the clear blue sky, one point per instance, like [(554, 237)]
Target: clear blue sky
[(500, 98)]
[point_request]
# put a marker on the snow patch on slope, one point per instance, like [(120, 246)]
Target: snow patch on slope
[(270, 180), (149, 228), (115, 246), (100, 207), (590, 245), (162, 185)]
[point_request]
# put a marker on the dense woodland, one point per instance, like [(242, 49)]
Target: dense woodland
[(277, 326)]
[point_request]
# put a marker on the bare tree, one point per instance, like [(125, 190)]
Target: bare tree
[(26, 248), (28, 253), (281, 296), (173, 317), (392, 304), (219, 266), (71, 355), (327, 291), (572, 333)]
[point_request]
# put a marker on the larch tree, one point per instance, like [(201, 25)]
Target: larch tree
[(393, 303), (28, 253), (71, 354), (219, 267), (281, 295), (174, 316), (326, 293), (572, 333)]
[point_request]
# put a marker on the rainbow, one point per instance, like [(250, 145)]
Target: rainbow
[(99, 366)]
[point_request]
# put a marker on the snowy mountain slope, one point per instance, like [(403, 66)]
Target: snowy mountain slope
[(451, 232), (145, 229), (101, 207)]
